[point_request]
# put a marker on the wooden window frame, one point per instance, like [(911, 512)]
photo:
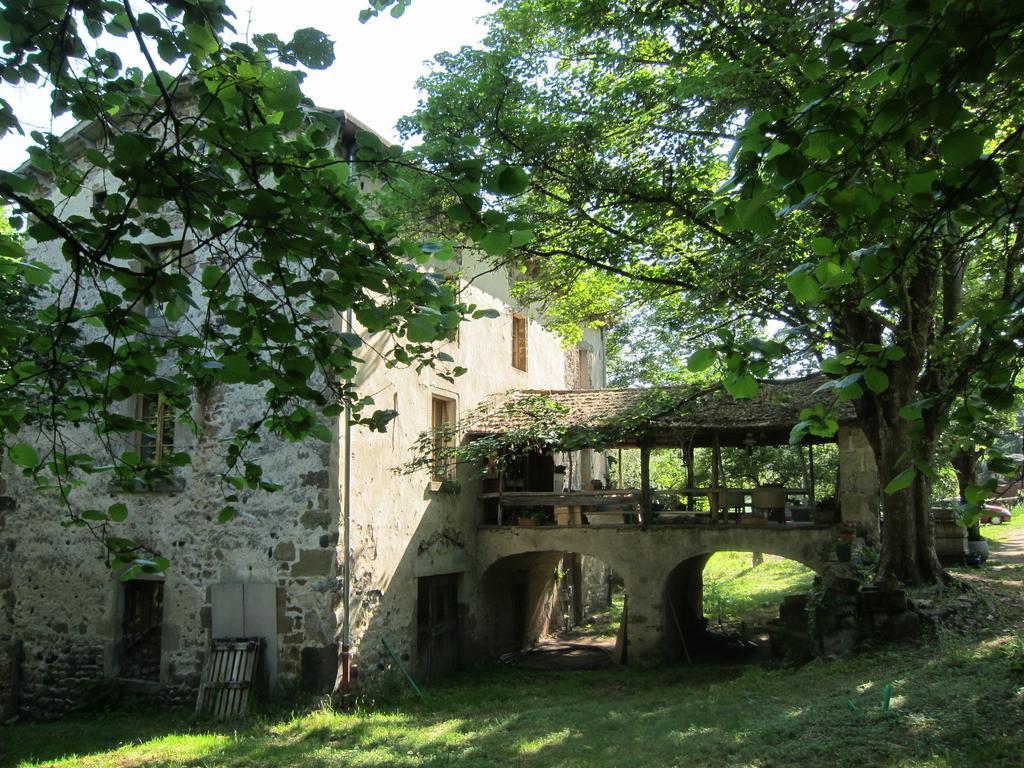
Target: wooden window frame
[(520, 342), (442, 413), (162, 422)]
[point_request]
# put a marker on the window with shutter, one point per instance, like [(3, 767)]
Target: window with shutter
[(519, 342)]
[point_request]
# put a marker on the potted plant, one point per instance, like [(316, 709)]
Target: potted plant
[(844, 542), (558, 478)]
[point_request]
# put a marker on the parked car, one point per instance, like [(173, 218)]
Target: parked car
[(994, 514)]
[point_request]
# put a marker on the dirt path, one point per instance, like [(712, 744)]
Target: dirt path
[(1011, 551)]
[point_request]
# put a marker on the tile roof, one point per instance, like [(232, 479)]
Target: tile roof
[(668, 415)]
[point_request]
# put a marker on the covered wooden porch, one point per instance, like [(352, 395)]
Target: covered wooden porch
[(532, 491)]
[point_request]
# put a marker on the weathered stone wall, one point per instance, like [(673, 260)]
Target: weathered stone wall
[(58, 597), (860, 493), (595, 590)]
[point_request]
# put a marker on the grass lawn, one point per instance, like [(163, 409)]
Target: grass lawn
[(958, 700), (734, 589)]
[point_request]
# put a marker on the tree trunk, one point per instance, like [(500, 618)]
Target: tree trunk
[(908, 535), (965, 463)]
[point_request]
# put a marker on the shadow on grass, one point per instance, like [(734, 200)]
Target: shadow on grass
[(956, 701), (953, 705), (85, 734)]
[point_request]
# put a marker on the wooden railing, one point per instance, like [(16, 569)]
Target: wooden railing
[(665, 505)]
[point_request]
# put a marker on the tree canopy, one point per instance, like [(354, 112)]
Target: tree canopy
[(837, 185)]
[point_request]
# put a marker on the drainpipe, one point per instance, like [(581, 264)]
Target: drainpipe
[(346, 501)]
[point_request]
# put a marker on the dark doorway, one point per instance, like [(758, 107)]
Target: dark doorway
[(437, 625), (141, 627)]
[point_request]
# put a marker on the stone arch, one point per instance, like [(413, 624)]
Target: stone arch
[(520, 598), (682, 601)]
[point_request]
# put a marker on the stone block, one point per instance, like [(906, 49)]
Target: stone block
[(902, 627), (319, 668), (314, 562), (284, 551), (876, 600), (839, 643), (317, 479), (312, 518)]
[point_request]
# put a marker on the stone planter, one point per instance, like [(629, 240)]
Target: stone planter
[(825, 516), (769, 498)]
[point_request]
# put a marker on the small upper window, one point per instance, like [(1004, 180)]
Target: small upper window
[(519, 342), (443, 427), (156, 440)]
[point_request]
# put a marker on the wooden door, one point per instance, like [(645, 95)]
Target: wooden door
[(437, 641)]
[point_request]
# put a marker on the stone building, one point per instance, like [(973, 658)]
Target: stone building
[(70, 630), (432, 567)]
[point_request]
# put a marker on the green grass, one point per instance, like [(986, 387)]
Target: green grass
[(735, 590), (958, 701)]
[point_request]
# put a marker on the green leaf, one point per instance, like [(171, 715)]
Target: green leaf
[(512, 180), (312, 48), (24, 455), (701, 360), (921, 183), (742, 386), (901, 481), (823, 246), (118, 512), (1002, 465), (496, 243), (37, 273), (876, 380), (421, 328), (961, 148), (202, 37), (910, 413), (282, 90), (211, 274), (803, 286), (11, 248), (834, 366)]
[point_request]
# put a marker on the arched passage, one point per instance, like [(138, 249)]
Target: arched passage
[(530, 595), (695, 625)]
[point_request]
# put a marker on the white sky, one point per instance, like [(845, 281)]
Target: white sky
[(373, 76)]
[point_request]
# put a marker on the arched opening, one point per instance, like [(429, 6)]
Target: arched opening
[(553, 604), (723, 604)]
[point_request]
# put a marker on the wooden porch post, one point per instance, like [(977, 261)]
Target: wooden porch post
[(645, 485), (501, 490), (716, 458), (810, 465), (688, 459)]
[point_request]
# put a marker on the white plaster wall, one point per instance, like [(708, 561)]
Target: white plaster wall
[(401, 529)]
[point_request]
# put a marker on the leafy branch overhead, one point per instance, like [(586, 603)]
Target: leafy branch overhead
[(203, 226)]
